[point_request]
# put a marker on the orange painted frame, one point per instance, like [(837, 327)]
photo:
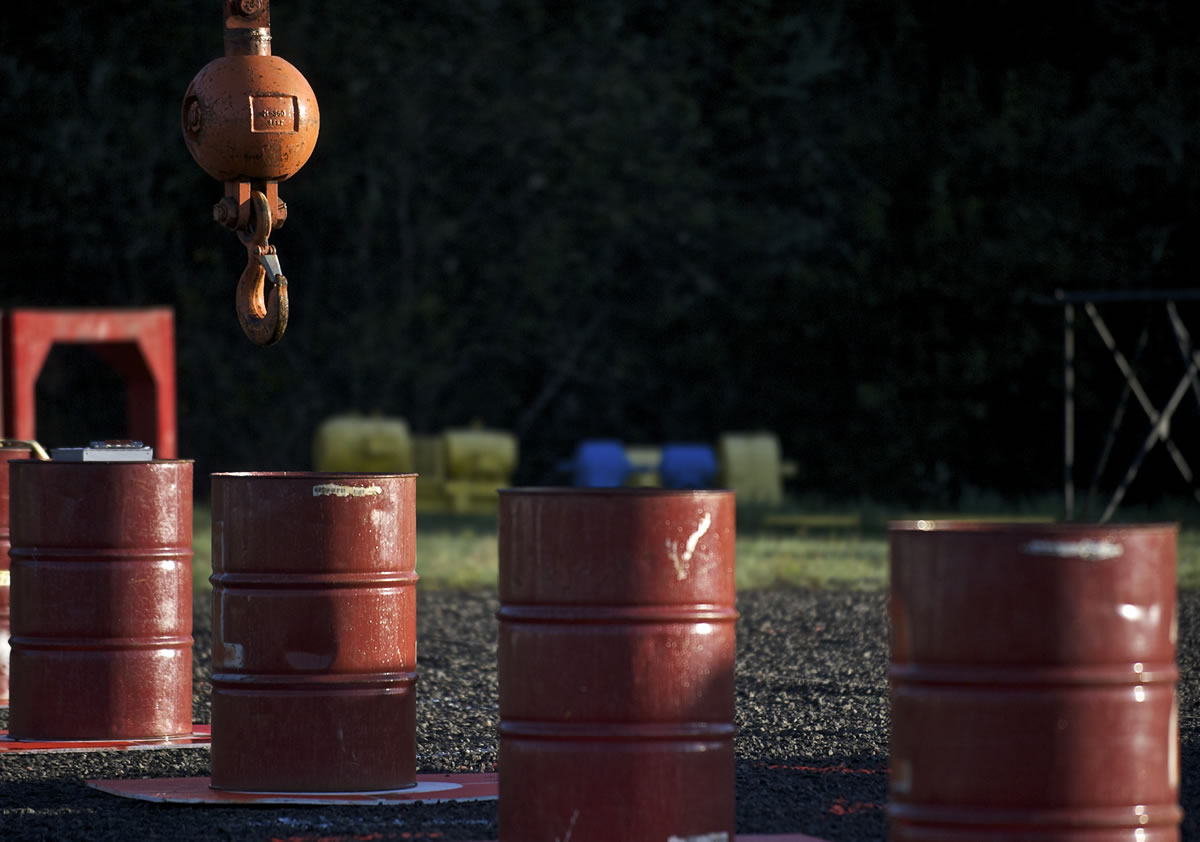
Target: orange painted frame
[(139, 343)]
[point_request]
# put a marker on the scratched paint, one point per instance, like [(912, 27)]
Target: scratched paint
[(682, 561)]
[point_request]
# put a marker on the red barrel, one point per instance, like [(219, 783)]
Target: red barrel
[(1033, 683), (314, 632), (101, 600), (8, 452), (616, 656)]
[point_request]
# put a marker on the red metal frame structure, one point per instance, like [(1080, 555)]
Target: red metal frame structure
[(138, 343), (1160, 419)]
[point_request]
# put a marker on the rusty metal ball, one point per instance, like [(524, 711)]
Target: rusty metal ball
[(250, 118)]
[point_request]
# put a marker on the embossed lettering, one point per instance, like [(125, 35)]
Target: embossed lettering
[(273, 114)]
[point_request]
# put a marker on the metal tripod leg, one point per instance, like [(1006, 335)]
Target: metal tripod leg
[(1160, 423), (1161, 431)]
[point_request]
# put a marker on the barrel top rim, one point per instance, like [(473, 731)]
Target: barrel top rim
[(103, 463), (1016, 526), (615, 491), (308, 475)]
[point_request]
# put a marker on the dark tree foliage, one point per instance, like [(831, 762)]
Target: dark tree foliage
[(646, 220)]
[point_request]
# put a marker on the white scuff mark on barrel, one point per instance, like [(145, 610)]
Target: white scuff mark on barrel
[(333, 489), (683, 561), (235, 655), (721, 836), (1088, 550), (570, 827)]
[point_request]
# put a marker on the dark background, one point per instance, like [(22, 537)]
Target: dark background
[(654, 221)]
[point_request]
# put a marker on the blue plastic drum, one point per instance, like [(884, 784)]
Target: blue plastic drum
[(688, 466), (600, 463)]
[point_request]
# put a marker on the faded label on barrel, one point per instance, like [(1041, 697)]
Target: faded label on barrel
[(1087, 549), (333, 489), (5, 578), (703, 837)]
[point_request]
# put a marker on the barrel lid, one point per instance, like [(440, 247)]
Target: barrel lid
[(112, 450)]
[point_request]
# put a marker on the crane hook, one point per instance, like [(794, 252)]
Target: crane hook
[(263, 314)]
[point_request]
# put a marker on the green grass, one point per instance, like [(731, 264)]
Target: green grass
[(460, 552), (811, 561), (201, 548), (1187, 560), (457, 558)]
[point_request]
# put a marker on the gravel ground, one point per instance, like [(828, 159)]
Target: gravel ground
[(812, 719)]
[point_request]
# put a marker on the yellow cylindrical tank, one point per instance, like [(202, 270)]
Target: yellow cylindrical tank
[(476, 453), (429, 457), (752, 466), (429, 462), (367, 443)]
